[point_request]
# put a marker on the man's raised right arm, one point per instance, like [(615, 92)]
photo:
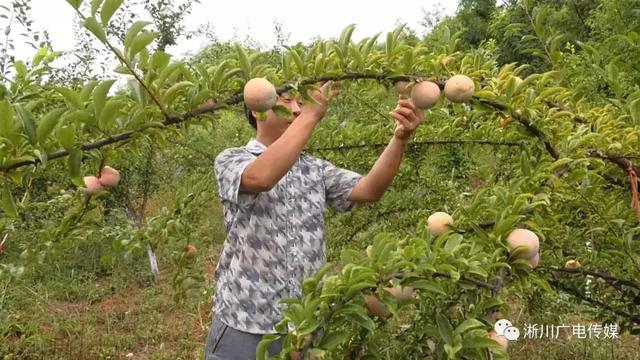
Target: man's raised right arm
[(265, 172)]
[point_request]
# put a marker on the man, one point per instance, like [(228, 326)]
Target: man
[(274, 199)]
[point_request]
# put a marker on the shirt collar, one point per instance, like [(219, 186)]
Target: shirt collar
[(255, 147)]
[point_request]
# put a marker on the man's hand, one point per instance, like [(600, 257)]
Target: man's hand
[(328, 91), (407, 117)]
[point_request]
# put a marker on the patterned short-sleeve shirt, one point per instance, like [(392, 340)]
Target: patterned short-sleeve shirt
[(274, 238)]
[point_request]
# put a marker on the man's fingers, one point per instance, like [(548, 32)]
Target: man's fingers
[(401, 119), (407, 103), (408, 113)]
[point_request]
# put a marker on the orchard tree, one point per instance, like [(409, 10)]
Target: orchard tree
[(558, 219)]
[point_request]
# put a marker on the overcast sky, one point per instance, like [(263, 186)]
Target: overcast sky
[(301, 20)]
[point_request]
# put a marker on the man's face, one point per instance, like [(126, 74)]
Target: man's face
[(276, 125)]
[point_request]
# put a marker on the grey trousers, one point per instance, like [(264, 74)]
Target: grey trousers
[(227, 343)]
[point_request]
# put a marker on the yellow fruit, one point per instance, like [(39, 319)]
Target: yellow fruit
[(459, 88), (400, 292), (425, 94), (109, 176), (524, 238), (572, 265), (375, 306), (260, 95), (501, 340), (533, 262), (401, 87), (439, 223), (92, 185)]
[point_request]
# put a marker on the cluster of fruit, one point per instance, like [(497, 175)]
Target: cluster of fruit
[(109, 177), (260, 94)]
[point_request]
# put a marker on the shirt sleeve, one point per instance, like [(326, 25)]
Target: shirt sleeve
[(338, 183), (228, 168)]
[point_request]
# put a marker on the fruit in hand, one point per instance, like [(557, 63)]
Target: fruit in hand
[(92, 185), (109, 176), (526, 239), (425, 94), (459, 89), (439, 223), (260, 94)]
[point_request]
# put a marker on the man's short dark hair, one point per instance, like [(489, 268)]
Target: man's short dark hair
[(250, 117)]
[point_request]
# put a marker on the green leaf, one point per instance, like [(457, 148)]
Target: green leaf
[(75, 3), (479, 342), (282, 111), (95, 4), (72, 97), (85, 93), (245, 65), (469, 324), (8, 203), (160, 60), (634, 108), (427, 285), (262, 351), (452, 243), (333, 339), (445, 328), (173, 91), (110, 112), (80, 116), (356, 288), (21, 68), (141, 41), (92, 25), (108, 9), (75, 165), (133, 31), (66, 136), (361, 320), (100, 96), (28, 124), (7, 123)]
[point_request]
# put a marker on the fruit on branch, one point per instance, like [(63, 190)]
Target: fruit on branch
[(109, 176), (400, 292), (425, 94), (401, 87), (500, 339), (572, 265), (459, 88), (439, 223), (533, 262), (191, 251), (375, 306), (260, 94), (526, 240), (92, 185)]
